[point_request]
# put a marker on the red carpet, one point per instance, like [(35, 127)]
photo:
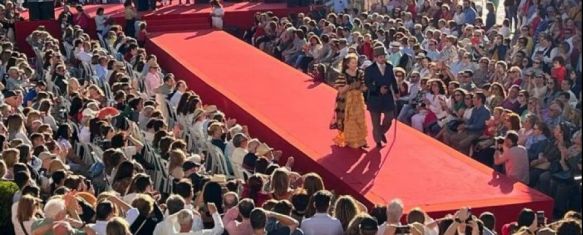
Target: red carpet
[(283, 107)]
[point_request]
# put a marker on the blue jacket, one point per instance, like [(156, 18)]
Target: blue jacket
[(477, 122)]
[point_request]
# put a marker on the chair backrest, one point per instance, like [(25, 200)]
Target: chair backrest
[(219, 165)]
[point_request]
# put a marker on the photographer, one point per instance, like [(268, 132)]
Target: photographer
[(513, 156)]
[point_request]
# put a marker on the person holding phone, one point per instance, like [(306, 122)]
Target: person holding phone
[(514, 157)]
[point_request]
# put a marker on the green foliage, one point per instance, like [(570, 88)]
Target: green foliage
[(7, 190)]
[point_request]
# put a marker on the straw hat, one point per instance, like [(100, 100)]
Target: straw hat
[(236, 129), (153, 64), (89, 113), (263, 149), (210, 109), (56, 165)]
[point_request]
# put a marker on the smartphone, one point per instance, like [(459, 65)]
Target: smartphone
[(404, 229), (540, 218), (469, 216)]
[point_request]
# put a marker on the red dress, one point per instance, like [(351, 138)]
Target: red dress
[(559, 74), (259, 199), (367, 50)]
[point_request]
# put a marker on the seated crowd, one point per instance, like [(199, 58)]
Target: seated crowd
[(508, 95), (96, 138)]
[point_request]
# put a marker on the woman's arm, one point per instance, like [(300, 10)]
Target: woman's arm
[(136, 143), (285, 220)]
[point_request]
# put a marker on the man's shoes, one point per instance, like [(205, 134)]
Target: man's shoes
[(384, 139), (379, 145)]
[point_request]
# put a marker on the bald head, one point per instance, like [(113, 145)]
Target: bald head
[(230, 200), (394, 211)]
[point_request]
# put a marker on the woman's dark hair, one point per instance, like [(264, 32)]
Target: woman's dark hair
[(440, 84), (118, 140), (181, 107), (124, 170), (544, 128), (213, 192), (155, 123), (255, 185), (164, 145), (567, 130), (111, 159), (57, 177), (559, 59), (31, 190), (283, 207), (24, 152), (192, 103), (122, 124), (76, 105), (140, 183), (63, 132), (380, 213), (157, 137), (525, 218), (300, 201), (444, 225), (127, 3), (569, 226), (271, 168), (2, 140)]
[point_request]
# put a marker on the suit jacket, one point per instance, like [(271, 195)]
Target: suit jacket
[(374, 80)]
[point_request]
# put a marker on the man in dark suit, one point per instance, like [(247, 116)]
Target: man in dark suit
[(381, 89)]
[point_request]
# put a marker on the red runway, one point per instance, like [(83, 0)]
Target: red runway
[(283, 107)]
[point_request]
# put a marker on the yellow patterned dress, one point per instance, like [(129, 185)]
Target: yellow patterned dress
[(350, 111)]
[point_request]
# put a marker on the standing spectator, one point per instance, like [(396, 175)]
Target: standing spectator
[(101, 22), (243, 227), (394, 214), (153, 79), (322, 223), (469, 13), (217, 13), (131, 15), (81, 18)]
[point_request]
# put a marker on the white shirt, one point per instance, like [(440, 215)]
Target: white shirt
[(100, 21), (322, 224), (170, 225), (84, 135), (84, 56), (237, 160), (17, 227), (217, 230), (175, 99), (384, 226), (100, 225)]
